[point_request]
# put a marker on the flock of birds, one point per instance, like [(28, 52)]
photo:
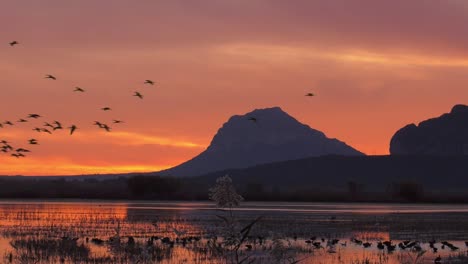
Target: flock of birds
[(6, 147), (49, 128), (389, 246)]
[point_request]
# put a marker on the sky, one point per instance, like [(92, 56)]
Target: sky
[(374, 66)]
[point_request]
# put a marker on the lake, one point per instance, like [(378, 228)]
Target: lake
[(81, 231)]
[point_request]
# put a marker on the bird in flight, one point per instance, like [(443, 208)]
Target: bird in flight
[(253, 119), (48, 76), (35, 116), (117, 121), (58, 125), (149, 82), (106, 127), (8, 123), (72, 129), (22, 120), (13, 43), (37, 129), (33, 141), (22, 150), (139, 95), (310, 94), (46, 130), (78, 89), (18, 155), (106, 108)]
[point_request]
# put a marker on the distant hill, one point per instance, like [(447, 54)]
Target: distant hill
[(437, 174), (445, 135), (272, 136)]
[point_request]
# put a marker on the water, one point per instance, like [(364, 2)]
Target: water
[(55, 231)]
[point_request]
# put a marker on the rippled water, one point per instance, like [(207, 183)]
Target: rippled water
[(25, 226)]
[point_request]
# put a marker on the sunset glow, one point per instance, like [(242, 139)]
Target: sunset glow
[(374, 67)]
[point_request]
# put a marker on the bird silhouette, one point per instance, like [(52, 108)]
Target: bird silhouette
[(22, 120), (33, 141), (139, 95), (72, 129), (46, 130), (22, 150), (37, 129), (58, 125), (78, 89), (310, 94), (48, 76), (106, 127), (13, 43), (438, 260), (149, 82), (18, 155), (106, 108), (35, 116), (117, 121), (8, 123), (48, 125), (97, 123), (253, 119)]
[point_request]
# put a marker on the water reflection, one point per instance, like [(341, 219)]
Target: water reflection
[(136, 230)]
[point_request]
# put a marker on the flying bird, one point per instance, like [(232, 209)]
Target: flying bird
[(106, 127), (22, 150), (46, 130), (78, 89), (48, 125), (22, 120), (139, 95), (8, 123), (97, 123), (106, 108), (35, 116), (17, 155), (310, 94), (117, 121), (72, 129), (253, 119), (149, 82), (33, 141), (48, 76), (37, 129), (13, 43), (58, 125)]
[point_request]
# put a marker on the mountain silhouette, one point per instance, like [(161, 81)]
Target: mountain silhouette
[(446, 135), (259, 137)]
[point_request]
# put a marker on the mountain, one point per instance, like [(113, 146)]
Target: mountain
[(274, 136), (446, 135)]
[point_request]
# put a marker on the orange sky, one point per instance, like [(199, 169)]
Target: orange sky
[(374, 66)]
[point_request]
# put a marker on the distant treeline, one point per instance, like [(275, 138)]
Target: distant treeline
[(141, 187)]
